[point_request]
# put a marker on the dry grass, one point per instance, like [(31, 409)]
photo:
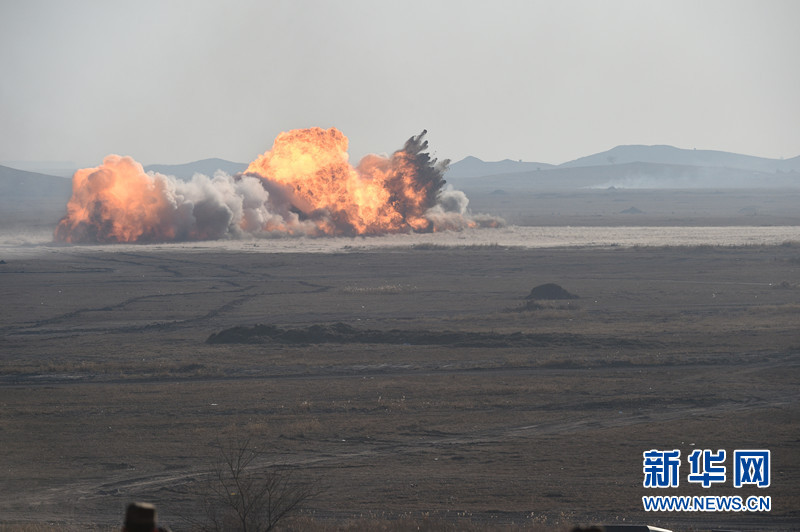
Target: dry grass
[(407, 523), (668, 346), (365, 522)]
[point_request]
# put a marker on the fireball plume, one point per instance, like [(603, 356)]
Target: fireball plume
[(303, 185)]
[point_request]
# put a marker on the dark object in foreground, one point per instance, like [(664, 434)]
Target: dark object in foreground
[(141, 517), (341, 333)]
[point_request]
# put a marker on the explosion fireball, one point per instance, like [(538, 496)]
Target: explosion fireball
[(304, 185)]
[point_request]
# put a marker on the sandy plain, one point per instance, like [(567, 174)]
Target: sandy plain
[(110, 393)]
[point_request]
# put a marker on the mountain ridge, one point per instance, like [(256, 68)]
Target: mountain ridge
[(666, 154), (633, 175), (204, 166), (635, 166), (630, 153), (31, 198)]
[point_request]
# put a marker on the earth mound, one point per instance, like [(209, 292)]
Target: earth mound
[(550, 291), (341, 333)]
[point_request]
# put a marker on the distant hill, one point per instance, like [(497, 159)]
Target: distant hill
[(474, 167), (672, 155), (51, 168), (30, 198), (21, 183), (634, 175), (206, 167), (643, 167)]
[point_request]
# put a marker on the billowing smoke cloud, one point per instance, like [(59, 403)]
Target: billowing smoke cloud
[(303, 186)]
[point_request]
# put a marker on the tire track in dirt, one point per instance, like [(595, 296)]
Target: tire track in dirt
[(128, 487), (32, 329), (193, 263)]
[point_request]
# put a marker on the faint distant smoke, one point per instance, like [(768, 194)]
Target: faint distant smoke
[(302, 186)]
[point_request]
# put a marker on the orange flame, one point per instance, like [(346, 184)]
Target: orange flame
[(381, 195), (116, 202), (303, 185)]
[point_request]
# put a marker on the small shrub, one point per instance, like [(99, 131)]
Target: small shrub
[(245, 496)]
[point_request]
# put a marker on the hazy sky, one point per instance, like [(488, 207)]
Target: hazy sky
[(172, 82)]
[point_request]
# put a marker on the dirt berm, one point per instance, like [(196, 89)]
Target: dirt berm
[(341, 333)]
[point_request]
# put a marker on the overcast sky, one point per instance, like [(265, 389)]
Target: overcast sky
[(173, 82)]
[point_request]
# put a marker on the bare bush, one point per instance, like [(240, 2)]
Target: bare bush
[(245, 495)]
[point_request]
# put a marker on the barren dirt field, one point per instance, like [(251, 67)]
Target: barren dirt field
[(451, 396)]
